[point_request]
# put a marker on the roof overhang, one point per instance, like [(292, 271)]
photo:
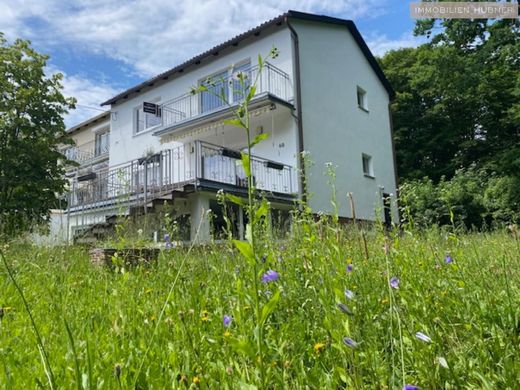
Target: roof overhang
[(254, 34)]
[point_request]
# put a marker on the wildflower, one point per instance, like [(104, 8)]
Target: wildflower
[(349, 342), (270, 276), (350, 267), (349, 294), (319, 347), (410, 387), (394, 282), (196, 380), (442, 362), (448, 259), (205, 316), (227, 333), (344, 308), (167, 241), (226, 320), (421, 336)]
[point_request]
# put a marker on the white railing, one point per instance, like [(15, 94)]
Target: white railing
[(87, 152), (144, 179), (189, 106)]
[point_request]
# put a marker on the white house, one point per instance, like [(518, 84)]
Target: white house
[(324, 94)]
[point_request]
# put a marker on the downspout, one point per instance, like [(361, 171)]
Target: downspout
[(299, 119), (396, 177)]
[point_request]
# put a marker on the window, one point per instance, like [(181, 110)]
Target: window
[(219, 87), (367, 165), (362, 98), (239, 88), (145, 120), (217, 91), (102, 143)]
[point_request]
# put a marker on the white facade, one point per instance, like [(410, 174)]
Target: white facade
[(323, 94), (127, 145)]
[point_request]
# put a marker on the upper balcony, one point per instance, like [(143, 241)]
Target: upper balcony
[(223, 92), (89, 152)]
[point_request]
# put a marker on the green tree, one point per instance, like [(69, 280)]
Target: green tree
[(458, 97), (31, 128)]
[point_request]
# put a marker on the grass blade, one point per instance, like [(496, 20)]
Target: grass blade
[(39, 341)]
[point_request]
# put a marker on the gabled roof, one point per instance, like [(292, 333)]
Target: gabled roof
[(255, 32), (90, 121)]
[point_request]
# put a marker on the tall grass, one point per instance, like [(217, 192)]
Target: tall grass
[(469, 309)]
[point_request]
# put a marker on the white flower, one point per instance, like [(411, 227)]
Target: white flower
[(421, 336)]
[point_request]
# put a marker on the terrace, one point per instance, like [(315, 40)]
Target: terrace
[(197, 165)]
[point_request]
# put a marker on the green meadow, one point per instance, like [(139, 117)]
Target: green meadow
[(341, 307)]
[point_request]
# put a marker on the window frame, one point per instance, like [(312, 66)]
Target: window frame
[(99, 136), (226, 73), (367, 164), (362, 100), (139, 110)]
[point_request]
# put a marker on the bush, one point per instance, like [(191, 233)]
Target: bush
[(471, 199)]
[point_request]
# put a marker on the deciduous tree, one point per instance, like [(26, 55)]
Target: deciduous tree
[(31, 129)]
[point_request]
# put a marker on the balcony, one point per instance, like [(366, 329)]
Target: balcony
[(199, 163), (88, 153), (271, 82)]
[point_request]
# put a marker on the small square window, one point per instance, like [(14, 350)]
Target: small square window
[(368, 169), (362, 98)]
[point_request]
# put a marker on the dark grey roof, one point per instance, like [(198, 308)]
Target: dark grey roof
[(254, 32)]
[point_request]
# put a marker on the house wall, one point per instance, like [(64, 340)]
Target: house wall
[(126, 145), (335, 129), (88, 133)]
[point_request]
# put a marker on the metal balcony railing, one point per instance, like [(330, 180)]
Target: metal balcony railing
[(144, 179), (189, 106), (87, 152)]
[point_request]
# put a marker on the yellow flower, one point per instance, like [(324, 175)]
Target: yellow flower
[(196, 380), (384, 301), (227, 333), (205, 315), (319, 347)]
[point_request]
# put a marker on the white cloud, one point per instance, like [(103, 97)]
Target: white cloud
[(381, 44), (152, 36), (87, 93)]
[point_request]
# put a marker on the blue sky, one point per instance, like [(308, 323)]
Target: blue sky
[(106, 46)]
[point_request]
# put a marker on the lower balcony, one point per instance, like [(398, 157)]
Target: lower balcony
[(197, 165)]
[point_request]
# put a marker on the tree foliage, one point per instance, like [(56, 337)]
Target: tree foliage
[(458, 98), (31, 128)]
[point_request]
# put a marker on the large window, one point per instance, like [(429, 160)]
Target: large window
[(217, 92), (145, 121), (223, 85), (102, 143)]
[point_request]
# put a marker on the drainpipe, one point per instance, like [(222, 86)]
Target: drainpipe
[(299, 119), (396, 176)]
